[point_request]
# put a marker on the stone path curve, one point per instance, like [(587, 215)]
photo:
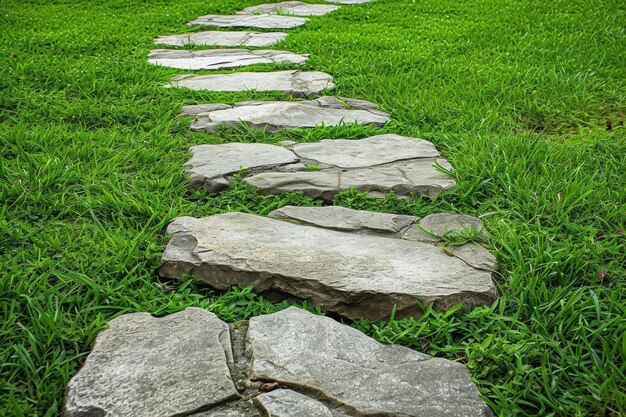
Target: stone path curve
[(357, 264)]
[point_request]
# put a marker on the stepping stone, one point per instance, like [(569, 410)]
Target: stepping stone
[(312, 366), (376, 165), (214, 59), (261, 21), (272, 116), (352, 272), (297, 83), (223, 38), (296, 8)]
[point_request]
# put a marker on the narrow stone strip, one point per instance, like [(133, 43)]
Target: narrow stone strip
[(223, 38), (214, 59), (295, 8), (262, 21), (297, 83)]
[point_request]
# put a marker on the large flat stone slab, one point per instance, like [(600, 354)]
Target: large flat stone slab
[(214, 59), (288, 364), (376, 165), (143, 366), (297, 83), (223, 38), (261, 21), (353, 274), (295, 8), (272, 116)]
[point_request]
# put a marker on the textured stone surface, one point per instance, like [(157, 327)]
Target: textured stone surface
[(295, 8), (261, 21), (298, 83), (186, 362), (354, 275), (143, 366), (276, 115), (345, 219), (213, 59), (223, 38)]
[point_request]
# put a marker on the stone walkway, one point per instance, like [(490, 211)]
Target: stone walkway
[(354, 263)]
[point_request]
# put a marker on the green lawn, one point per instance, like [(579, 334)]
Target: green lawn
[(525, 98)]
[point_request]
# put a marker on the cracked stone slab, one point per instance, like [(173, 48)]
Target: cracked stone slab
[(214, 59), (184, 364), (355, 275), (223, 38), (143, 366), (272, 116), (297, 83), (376, 165), (261, 21), (295, 8)]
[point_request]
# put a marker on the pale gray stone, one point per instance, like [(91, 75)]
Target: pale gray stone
[(354, 275), (345, 219), (474, 255), (433, 227), (213, 59), (262, 21), (346, 368), (287, 403), (298, 83), (210, 163), (276, 115), (295, 8), (223, 38), (375, 150), (143, 366)]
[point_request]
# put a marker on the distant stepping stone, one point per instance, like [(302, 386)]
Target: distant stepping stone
[(261, 21), (352, 272), (298, 83), (376, 165), (223, 38), (214, 59), (143, 366), (296, 8), (277, 115)]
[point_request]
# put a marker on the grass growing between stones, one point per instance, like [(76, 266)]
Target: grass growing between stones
[(526, 100)]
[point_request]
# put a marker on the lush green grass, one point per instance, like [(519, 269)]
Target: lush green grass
[(518, 95)]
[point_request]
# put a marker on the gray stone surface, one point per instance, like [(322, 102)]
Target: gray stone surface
[(295, 8), (376, 165), (345, 219), (210, 164), (261, 21), (276, 115), (143, 366), (223, 38), (354, 275), (184, 363), (298, 83), (213, 59)]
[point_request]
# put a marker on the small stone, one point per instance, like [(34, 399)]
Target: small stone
[(442, 223), (213, 59), (262, 21), (298, 83), (223, 38), (287, 403), (295, 8), (272, 116)]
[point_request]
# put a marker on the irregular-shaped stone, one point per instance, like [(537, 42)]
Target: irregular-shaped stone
[(433, 227), (354, 275), (213, 59), (287, 403), (272, 116), (345, 219), (210, 163), (295, 8), (143, 366), (261, 21), (223, 38), (298, 83), (354, 372)]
